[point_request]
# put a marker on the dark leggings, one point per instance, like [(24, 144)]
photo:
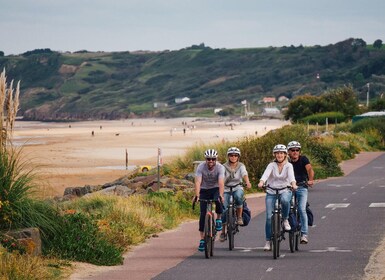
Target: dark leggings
[(208, 194)]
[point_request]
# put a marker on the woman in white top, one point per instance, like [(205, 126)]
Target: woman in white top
[(278, 174)]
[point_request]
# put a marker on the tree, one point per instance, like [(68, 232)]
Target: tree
[(378, 105), (377, 44), (342, 100), (302, 106)]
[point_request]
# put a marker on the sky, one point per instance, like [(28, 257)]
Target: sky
[(157, 25)]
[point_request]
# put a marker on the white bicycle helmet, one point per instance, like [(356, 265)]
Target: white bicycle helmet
[(279, 148), (234, 150), (293, 144), (211, 153)]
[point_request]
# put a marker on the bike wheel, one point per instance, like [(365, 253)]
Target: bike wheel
[(298, 234), (207, 235), (275, 224), (292, 236), (213, 235), (231, 227)]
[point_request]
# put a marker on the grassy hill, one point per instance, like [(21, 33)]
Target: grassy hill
[(102, 85)]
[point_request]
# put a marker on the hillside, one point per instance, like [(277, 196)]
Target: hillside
[(85, 85)]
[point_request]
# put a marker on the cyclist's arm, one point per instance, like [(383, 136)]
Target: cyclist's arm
[(247, 181), (221, 184), (265, 175), (310, 174), (291, 177), (198, 182)]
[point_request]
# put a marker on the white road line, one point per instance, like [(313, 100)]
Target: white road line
[(377, 204), (269, 269), (345, 199), (334, 206), (323, 217), (354, 193)]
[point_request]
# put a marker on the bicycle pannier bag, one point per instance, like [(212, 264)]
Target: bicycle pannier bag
[(294, 223), (246, 214), (310, 216)]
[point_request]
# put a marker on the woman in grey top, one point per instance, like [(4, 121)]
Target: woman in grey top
[(235, 175)]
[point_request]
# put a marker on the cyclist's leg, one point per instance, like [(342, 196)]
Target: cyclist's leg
[(269, 202), (224, 221), (203, 194), (285, 202), (218, 208), (238, 201), (225, 205), (302, 194)]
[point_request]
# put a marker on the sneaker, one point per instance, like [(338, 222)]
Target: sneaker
[(304, 239), (267, 246), (286, 225), (218, 224), (222, 237), (201, 245), (240, 221)]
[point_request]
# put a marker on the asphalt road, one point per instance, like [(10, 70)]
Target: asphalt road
[(349, 224)]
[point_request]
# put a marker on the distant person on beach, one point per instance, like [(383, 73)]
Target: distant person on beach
[(209, 184), (235, 175), (304, 175)]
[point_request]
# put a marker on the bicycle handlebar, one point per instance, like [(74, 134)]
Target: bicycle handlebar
[(204, 200), (276, 189)]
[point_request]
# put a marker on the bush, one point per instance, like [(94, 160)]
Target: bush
[(80, 240), (320, 118), (373, 128)]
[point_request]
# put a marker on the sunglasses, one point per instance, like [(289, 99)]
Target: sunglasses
[(297, 150), (211, 159), (233, 155)]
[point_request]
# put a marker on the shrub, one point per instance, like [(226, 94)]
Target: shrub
[(367, 126), (80, 240), (320, 118)]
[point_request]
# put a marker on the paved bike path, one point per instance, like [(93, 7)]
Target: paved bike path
[(172, 247)]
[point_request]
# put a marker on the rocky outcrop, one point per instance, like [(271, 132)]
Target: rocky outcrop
[(29, 238), (126, 186)]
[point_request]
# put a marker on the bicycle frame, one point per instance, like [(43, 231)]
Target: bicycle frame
[(294, 234), (232, 225), (278, 233), (209, 229)]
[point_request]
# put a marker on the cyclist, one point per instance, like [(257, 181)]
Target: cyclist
[(235, 174), (303, 172), (209, 184), (277, 174)]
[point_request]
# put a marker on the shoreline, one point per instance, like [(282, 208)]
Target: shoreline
[(73, 154)]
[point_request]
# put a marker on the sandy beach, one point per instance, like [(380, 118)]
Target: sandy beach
[(94, 152)]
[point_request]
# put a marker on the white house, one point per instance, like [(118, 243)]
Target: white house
[(181, 100), (274, 111)]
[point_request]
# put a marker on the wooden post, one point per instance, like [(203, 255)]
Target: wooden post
[(126, 159)]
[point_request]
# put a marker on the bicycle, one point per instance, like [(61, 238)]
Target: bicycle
[(295, 232), (210, 231), (277, 229), (231, 218)]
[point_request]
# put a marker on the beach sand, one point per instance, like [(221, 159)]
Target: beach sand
[(94, 152)]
